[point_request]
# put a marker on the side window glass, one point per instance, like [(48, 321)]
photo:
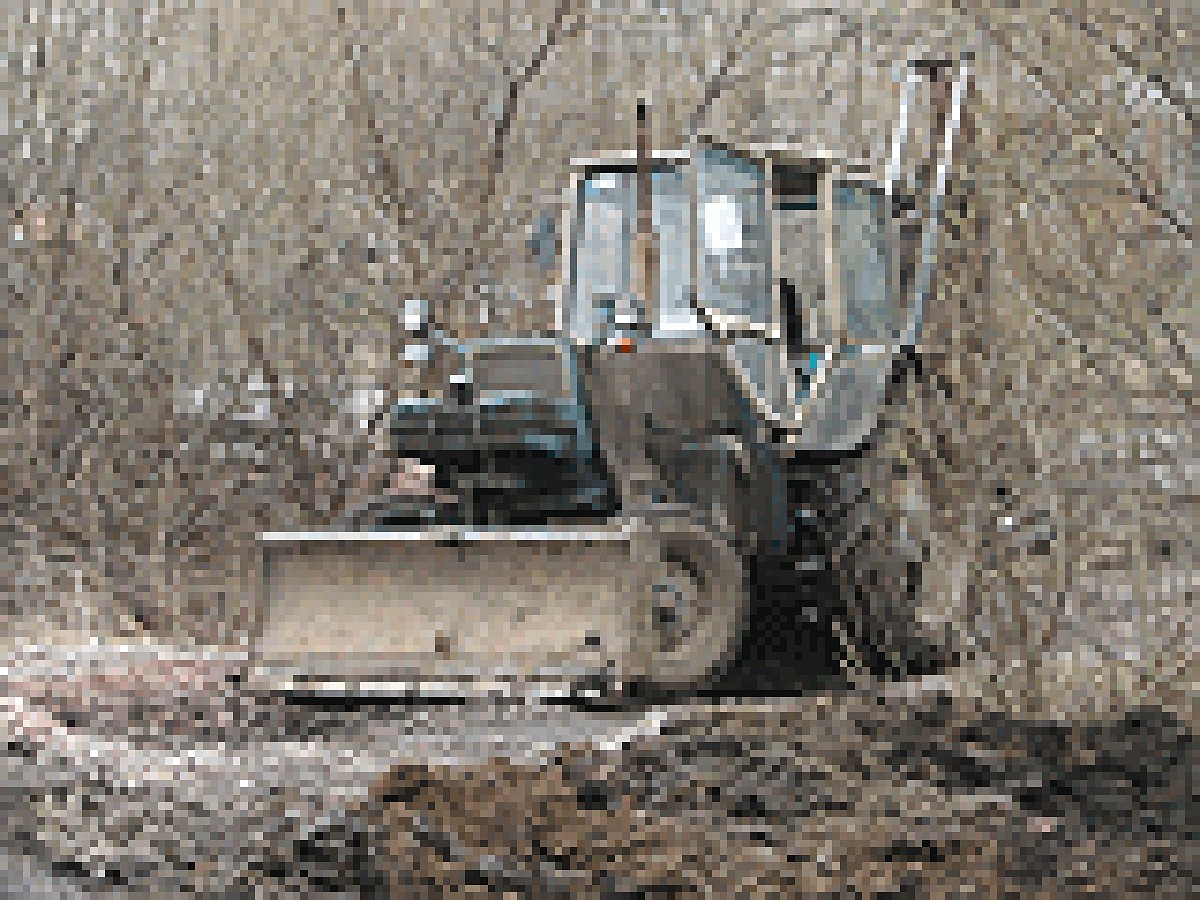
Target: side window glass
[(602, 252), (863, 244), (733, 241)]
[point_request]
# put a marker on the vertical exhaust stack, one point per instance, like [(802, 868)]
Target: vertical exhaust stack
[(645, 244)]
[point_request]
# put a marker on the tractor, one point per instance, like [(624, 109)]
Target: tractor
[(585, 509)]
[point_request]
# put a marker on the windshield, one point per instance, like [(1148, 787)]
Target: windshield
[(603, 261)]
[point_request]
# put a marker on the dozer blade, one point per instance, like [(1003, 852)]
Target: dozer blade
[(453, 612)]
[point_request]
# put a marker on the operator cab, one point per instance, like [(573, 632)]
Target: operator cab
[(792, 266)]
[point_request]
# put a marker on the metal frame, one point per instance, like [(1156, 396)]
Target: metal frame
[(625, 158), (933, 222)]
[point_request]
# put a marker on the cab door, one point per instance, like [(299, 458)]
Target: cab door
[(796, 280), (733, 262), (854, 346)]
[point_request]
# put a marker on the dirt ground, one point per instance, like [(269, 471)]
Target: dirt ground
[(896, 793), (827, 797)]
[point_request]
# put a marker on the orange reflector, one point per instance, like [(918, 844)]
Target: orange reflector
[(625, 345)]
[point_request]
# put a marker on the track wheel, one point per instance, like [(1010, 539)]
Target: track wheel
[(687, 604)]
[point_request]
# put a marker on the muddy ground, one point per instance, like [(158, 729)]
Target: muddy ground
[(199, 789), (829, 796)]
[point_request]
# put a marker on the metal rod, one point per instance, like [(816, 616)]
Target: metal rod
[(900, 137), (933, 220)]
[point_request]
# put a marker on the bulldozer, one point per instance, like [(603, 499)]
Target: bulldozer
[(584, 511)]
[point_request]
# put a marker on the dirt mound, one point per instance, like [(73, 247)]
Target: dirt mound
[(847, 799)]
